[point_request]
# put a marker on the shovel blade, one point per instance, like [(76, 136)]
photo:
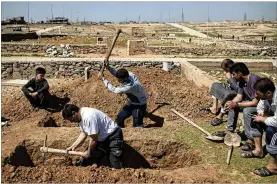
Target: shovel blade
[(214, 138)]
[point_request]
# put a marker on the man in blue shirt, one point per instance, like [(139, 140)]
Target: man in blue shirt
[(131, 86)]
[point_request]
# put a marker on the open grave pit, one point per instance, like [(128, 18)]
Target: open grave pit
[(138, 155)]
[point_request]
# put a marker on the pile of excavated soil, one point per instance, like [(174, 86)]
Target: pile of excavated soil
[(165, 90), (90, 174), (149, 155)]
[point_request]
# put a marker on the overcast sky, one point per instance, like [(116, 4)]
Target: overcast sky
[(148, 11)]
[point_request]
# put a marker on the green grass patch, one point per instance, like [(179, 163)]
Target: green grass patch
[(239, 169)]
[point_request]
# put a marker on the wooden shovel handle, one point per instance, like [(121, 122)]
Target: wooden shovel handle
[(190, 122), (52, 150), (106, 60), (229, 154)]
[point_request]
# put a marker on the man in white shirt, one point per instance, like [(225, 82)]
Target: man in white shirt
[(105, 135), (137, 100), (265, 120)]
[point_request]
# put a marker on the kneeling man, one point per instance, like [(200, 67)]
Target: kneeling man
[(105, 135)]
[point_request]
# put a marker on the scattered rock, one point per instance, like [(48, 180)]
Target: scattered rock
[(63, 51), (12, 175), (11, 169)]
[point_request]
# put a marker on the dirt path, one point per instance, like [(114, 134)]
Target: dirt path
[(189, 30), (39, 32)]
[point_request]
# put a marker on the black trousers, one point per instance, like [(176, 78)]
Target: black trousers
[(40, 100), (111, 146)]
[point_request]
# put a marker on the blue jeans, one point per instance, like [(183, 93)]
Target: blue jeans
[(248, 113), (271, 141), (137, 111)]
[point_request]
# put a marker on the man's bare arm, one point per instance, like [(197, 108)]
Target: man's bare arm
[(252, 103), (78, 141), (238, 98), (92, 142)]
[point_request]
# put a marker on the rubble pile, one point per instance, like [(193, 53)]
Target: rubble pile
[(63, 51)]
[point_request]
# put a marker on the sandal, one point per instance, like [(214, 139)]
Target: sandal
[(219, 133), (247, 147), (263, 172), (207, 108), (249, 154), (216, 121)]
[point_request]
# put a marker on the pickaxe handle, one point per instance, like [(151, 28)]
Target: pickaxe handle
[(230, 150), (110, 50), (52, 150)]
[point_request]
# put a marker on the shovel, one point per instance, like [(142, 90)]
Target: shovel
[(209, 135), (231, 140)]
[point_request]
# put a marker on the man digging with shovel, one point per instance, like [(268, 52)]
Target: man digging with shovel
[(105, 135)]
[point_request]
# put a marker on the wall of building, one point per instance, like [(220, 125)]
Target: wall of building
[(41, 48), (68, 67), (169, 50), (136, 47), (6, 37)]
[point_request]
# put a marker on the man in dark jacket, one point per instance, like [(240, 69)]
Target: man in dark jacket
[(36, 90)]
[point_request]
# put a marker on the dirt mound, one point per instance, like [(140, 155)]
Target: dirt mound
[(165, 90), (68, 174), (145, 159)]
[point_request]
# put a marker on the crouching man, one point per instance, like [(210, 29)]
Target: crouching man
[(266, 120), (36, 90), (105, 136)]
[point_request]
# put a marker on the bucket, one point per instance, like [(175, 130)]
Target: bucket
[(166, 66), (86, 72)]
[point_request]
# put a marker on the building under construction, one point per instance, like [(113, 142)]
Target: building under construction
[(14, 20), (58, 20)]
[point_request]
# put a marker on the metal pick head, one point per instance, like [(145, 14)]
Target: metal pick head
[(43, 153), (44, 143), (119, 31)]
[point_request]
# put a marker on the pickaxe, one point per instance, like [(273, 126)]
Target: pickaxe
[(118, 31), (46, 149)]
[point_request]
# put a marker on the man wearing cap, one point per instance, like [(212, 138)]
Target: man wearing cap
[(131, 86)]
